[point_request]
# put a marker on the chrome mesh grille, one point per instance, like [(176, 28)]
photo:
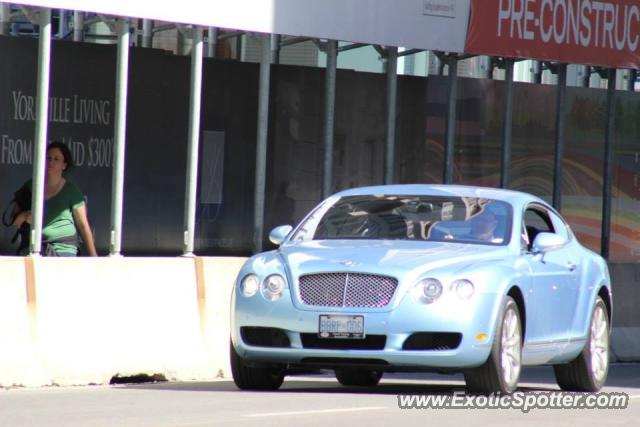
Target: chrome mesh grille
[(346, 290)]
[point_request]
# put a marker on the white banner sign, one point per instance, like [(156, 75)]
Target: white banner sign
[(422, 24)]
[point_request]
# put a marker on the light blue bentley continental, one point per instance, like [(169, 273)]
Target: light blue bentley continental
[(424, 278)]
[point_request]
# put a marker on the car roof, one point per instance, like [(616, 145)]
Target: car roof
[(509, 196)]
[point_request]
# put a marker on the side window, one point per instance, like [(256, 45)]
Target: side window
[(525, 244), (536, 220), (561, 228)]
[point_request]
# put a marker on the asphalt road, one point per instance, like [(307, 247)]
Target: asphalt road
[(309, 400)]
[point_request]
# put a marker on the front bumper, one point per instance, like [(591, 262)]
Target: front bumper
[(469, 318)]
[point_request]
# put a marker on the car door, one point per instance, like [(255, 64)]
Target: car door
[(554, 282)]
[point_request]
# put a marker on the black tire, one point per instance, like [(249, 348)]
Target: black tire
[(358, 377), (588, 371), (493, 376), (254, 378)]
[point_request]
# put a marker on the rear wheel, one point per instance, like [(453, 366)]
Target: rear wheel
[(588, 371), (501, 371), (254, 378), (358, 377)]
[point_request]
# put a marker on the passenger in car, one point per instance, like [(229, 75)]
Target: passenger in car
[(483, 227)]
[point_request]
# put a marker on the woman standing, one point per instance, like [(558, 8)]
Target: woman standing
[(65, 212)]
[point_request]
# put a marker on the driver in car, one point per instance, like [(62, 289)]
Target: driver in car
[(483, 227)]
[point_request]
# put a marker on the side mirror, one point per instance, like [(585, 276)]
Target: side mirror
[(547, 241), (280, 233)]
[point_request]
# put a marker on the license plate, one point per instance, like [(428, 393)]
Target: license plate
[(340, 326)]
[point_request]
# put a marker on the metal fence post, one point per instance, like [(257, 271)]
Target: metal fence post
[(212, 44), (261, 144), (42, 119), (507, 127), (392, 95), (5, 19), (561, 102), (450, 130), (329, 116), (194, 142), (78, 26), (147, 33), (117, 182), (608, 164)]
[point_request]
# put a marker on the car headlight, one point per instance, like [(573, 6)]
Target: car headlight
[(463, 288), (272, 287), (427, 291), (249, 285)]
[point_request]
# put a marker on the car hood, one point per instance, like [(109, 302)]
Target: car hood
[(392, 257)]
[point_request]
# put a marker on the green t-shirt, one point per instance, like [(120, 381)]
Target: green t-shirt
[(58, 221)]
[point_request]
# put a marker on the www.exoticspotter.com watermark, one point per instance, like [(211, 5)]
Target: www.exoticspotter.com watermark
[(518, 400)]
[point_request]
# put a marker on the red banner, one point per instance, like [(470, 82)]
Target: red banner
[(604, 33)]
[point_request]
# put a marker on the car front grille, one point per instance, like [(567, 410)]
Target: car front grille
[(346, 290)]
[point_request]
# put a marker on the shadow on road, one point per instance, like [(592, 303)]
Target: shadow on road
[(388, 387), (532, 379)]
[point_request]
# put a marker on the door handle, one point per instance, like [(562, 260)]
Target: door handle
[(571, 266)]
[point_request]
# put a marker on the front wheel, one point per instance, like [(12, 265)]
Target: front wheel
[(254, 378), (501, 371), (588, 371)]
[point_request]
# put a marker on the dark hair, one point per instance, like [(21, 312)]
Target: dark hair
[(66, 153)]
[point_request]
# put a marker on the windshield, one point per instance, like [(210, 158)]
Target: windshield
[(374, 217)]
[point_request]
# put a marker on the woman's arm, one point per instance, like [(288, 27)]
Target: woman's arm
[(20, 217), (82, 223)]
